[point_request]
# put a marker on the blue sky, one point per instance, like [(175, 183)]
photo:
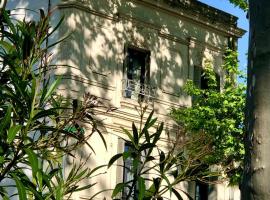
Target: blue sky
[(242, 23)]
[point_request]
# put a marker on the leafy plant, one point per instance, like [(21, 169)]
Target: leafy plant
[(37, 127), (220, 115), (243, 4), (157, 170)]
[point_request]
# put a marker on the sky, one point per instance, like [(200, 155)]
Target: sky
[(242, 23)]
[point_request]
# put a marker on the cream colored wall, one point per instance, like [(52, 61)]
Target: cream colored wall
[(95, 54), (96, 49), (91, 60)]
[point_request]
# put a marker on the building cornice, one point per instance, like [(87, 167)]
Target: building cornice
[(194, 11), (199, 14)]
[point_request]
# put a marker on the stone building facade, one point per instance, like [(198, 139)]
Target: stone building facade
[(118, 47)]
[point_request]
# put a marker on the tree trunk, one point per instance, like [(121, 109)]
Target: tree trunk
[(256, 179)]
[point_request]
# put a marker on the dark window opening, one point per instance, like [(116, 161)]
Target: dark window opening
[(201, 81), (201, 191), (131, 192), (128, 175), (137, 65)]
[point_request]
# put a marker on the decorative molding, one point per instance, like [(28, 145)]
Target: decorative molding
[(194, 41), (79, 5), (191, 11), (89, 82), (140, 23), (173, 38), (175, 93), (137, 21)]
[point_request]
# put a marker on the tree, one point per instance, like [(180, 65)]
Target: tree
[(37, 127), (220, 115), (243, 4), (257, 140)]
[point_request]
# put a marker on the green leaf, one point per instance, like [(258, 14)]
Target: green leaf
[(54, 29), (96, 168), (6, 120), (33, 160), (84, 187), (149, 158), (96, 194), (176, 193), (60, 192), (126, 154), (135, 134), (20, 188), (171, 163), (147, 146), (2, 159), (161, 161), (52, 89), (168, 183), (157, 182), (149, 123), (149, 118), (13, 130), (118, 188), (6, 45), (129, 136), (141, 187), (152, 122), (150, 192), (39, 178), (158, 133), (114, 158), (147, 136)]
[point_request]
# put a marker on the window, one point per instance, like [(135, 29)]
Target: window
[(201, 81), (201, 191), (136, 69), (128, 174)]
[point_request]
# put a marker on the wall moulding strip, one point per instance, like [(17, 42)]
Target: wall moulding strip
[(197, 19)]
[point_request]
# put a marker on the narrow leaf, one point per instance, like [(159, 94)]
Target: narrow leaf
[(20, 188), (118, 188), (158, 133), (161, 161), (12, 132), (135, 134), (114, 158), (33, 160), (52, 88), (129, 136), (147, 146), (141, 185), (6, 120), (176, 193)]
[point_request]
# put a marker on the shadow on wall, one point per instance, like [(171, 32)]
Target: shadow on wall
[(100, 32), (92, 58)]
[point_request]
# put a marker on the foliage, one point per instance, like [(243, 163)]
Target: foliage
[(220, 115), (157, 170), (34, 122), (243, 4)]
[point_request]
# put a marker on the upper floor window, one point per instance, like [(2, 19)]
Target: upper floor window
[(201, 81), (137, 74)]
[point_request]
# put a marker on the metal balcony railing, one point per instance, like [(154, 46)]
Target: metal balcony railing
[(135, 90)]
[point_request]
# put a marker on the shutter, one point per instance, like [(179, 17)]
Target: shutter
[(218, 82), (197, 74)]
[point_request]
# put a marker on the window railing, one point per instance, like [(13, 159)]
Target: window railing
[(135, 90)]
